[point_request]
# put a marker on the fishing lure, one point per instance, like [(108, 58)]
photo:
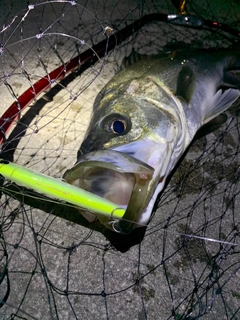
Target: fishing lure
[(59, 190)]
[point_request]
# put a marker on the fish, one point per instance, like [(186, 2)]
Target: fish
[(143, 120)]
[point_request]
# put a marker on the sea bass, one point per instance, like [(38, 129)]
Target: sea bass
[(143, 120)]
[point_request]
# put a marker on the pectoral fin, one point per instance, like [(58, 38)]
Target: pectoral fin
[(222, 100), (186, 83)]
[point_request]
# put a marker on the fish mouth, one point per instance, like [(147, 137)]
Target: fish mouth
[(117, 177)]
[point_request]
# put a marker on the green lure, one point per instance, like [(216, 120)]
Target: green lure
[(59, 190)]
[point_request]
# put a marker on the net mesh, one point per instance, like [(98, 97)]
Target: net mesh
[(53, 263)]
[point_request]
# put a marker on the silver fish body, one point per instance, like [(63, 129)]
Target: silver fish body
[(150, 112)]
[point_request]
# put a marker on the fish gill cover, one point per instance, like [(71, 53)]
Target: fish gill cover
[(53, 263)]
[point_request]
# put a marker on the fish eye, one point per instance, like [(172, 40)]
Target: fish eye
[(118, 126)]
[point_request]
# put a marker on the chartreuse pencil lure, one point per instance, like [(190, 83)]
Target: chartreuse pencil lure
[(59, 190)]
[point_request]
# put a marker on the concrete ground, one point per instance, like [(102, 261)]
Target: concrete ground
[(56, 265)]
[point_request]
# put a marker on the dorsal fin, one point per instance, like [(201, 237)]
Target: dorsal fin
[(132, 58)]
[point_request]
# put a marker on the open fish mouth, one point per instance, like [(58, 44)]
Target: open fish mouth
[(117, 177)]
